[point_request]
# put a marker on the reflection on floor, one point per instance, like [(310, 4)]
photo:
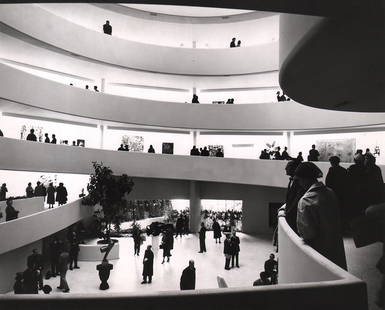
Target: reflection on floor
[(127, 273)]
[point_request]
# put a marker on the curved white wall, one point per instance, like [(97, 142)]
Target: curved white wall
[(31, 228), (168, 32), (20, 87), (46, 27)]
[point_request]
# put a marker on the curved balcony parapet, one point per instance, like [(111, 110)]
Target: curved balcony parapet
[(42, 25), (27, 89)]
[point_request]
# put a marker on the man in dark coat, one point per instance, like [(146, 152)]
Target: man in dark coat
[(313, 154), (227, 250), (217, 231), (74, 250), (10, 212), (3, 191), (55, 247), (167, 244), (63, 262), (285, 155), (30, 280), (293, 195), (271, 269), (61, 194), (235, 250), (337, 180), (356, 176), (31, 136), (107, 28), (374, 183), (202, 238), (136, 236), (187, 280), (179, 226), (36, 261), (29, 190), (318, 215), (148, 265)]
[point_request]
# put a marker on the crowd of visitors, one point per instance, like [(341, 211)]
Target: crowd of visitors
[(63, 256), (205, 152), (282, 97)]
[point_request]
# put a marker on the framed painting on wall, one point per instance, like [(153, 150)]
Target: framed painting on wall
[(343, 148), (214, 148), (167, 148)]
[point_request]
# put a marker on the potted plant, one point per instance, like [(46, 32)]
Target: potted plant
[(110, 192)]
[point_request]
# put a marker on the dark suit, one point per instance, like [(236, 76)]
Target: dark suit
[(202, 239), (235, 250), (148, 265), (187, 280), (107, 29)]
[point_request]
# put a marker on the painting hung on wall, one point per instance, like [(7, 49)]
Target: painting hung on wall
[(214, 148), (167, 148), (81, 142), (134, 143), (343, 148)]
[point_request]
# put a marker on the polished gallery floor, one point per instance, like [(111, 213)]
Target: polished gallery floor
[(127, 273)]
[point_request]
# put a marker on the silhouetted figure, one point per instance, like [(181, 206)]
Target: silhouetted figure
[(55, 248), (40, 190), (239, 43), (367, 152), (277, 153), (121, 148), (151, 149), (18, 286), (107, 28), (46, 140), (167, 244), (136, 236), (194, 151), (126, 148), (337, 180), (235, 242), (264, 154), (31, 136), (227, 250), (74, 250), (318, 215), (74, 143), (205, 152), (29, 190), (279, 98), (374, 183), (195, 99), (285, 155), (179, 226), (217, 231), (3, 192), (219, 153), (53, 140), (186, 229), (299, 157), (96, 88), (202, 238), (356, 175), (36, 261), (10, 212), (313, 154), (232, 43), (1, 133), (271, 269), (148, 265), (30, 280), (51, 195), (63, 262), (293, 195), (187, 280), (71, 84), (87, 87), (61, 194), (263, 280)]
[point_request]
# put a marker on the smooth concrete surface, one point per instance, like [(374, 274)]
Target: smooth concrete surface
[(31, 228), (90, 251), (299, 263), (14, 261), (32, 91), (49, 28), (25, 206)]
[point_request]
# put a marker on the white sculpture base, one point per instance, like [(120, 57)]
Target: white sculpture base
[(91, 251)]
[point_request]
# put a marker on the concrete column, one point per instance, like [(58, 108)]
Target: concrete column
[(289, 135), (194, 90), (102, 85), (101, 136), (194, 44), (195, 134), (195, 206)]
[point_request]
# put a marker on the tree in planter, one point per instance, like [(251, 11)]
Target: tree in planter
[(110, 192)]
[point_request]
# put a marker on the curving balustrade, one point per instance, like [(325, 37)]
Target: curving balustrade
[(307, 281), (23, 88), (42, 25)]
